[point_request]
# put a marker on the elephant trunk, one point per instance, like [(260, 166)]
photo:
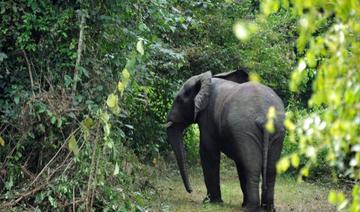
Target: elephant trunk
[(174, 137)]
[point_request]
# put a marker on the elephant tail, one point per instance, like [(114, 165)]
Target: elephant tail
[(266, 142)]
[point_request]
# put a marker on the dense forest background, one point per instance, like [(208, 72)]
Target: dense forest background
[(85, 88)]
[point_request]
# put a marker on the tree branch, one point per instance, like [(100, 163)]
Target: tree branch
[(23, 195), (94, 160), (79, 52), (30, 72)]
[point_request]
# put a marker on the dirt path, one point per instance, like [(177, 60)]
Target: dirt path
[(289, 195)]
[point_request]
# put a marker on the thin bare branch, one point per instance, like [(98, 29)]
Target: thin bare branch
[(53, 158), (74, 203), (30, 72), (92, 172), (79, 52)]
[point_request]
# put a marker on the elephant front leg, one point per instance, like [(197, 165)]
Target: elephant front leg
[(210, 162)]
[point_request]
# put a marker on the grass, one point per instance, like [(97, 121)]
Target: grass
[(289, 194)]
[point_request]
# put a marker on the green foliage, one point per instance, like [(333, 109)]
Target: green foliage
[(84, 119), (191, 138), (298, 161), (271, 52), (328, 33), (41, 115)]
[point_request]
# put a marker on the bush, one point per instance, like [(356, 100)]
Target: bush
[(191, 140), (291, 146)]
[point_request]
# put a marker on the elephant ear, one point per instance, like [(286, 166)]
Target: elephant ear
[(239, 76), (202, 98)]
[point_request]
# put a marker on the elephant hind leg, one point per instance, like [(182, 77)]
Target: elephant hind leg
[(249, 157), (251, 177), (267, 194), (242, 178), (252, 192)]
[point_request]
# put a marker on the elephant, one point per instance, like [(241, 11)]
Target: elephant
[(231, 113)]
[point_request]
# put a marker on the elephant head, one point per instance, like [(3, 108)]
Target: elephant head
[(192, 98)]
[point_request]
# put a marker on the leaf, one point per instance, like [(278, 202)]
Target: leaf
[(112, 100), (109, 143), (129, 126), (301, 65), (310, 59), (139, 199), (116, 171), (140, 47), (104, 117), (337, 198), (88, 122), (285, 3), (304, 171), (67, 80), (269, 126), (241, 31), (52, 201), (295, 160), (86, 125), (254, 77), (86, 134), (73, 147), (269, 6), (310, 151), (120, 87), (107, 128), (282, 165), (332, 197), (296, 79), (271, 112), (2, 56), (355, 190), (53, 120), (115, 110), (270, 120), (343, 205), (17, 99), (59, 122), (9, 184), (2, 142), (125, 75), (289, 125), (341, 197)]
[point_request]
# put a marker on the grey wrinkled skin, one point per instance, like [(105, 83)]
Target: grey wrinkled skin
[(231, 113)]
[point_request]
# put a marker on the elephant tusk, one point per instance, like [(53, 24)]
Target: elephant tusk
[(167, 125)]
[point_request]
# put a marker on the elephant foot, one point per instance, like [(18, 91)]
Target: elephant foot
[(208, 199), (268, 207)]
